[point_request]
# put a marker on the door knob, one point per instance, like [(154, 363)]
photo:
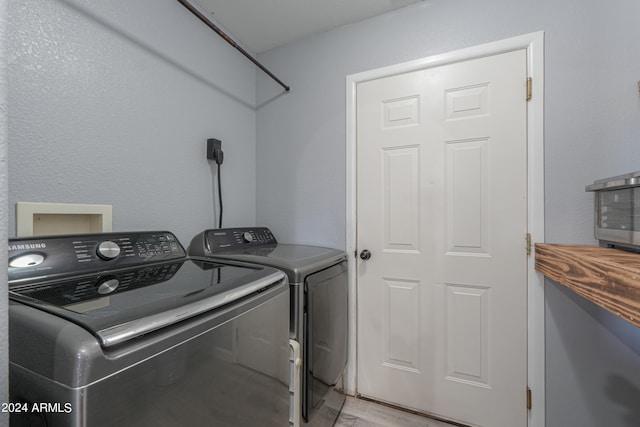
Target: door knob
[(365, 255)]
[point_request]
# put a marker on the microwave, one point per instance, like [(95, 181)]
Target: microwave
[(617, 211)]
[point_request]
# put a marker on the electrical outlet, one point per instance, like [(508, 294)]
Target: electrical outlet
[(214, 146)]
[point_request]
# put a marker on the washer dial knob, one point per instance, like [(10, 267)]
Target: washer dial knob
[(247, 237), (26, 260), (108, 285), (108, 250)]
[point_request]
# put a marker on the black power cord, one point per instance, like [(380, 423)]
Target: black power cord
[(219, 196), (214, 152)]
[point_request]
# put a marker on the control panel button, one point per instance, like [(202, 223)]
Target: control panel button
[(27, 260), (247, 237), (106, 286), (108, 250)]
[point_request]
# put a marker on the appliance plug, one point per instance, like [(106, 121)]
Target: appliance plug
[(214, 150)]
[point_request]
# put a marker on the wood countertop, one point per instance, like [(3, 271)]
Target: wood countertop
[(608, 277)]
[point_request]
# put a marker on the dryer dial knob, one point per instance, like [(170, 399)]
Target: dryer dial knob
[(247, 237), (108, 250), (106, 286)]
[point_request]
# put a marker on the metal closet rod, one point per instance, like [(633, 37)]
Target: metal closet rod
[(229, 40)]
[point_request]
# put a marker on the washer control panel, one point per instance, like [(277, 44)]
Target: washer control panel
[(73, 292), (52, 256), (230, 239)]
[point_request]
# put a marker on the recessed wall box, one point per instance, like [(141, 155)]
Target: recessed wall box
[(45, 219)]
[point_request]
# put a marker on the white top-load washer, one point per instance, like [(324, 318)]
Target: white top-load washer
[(318, 310)]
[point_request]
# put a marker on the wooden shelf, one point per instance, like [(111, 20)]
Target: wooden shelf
[(608, 277)]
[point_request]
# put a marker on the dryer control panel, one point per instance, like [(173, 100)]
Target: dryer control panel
[(53, 256), (230, 239)]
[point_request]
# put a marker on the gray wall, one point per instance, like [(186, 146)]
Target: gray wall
[(112, 102), (592, 130), (4, 418)]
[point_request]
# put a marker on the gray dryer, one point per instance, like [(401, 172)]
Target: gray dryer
[(318, 312)]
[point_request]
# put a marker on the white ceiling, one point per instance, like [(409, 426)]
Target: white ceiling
[(261, 25)]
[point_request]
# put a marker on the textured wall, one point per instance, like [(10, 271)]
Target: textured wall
[(592, 129), (112, 102), (4, 351)]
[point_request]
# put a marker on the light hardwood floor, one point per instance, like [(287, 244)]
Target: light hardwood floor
[(363, 413)]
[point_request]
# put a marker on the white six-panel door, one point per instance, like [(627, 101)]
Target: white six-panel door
[(442, 207)]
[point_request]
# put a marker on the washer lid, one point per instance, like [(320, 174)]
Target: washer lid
[(118, 305), (297, 261)]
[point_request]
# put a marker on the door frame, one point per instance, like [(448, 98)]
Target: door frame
[(534, 45)]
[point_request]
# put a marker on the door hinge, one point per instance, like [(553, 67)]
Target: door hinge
[(528, 398), (528, 239), (529, 88)]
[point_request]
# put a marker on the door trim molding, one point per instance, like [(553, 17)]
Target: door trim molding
[(534, 45)]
